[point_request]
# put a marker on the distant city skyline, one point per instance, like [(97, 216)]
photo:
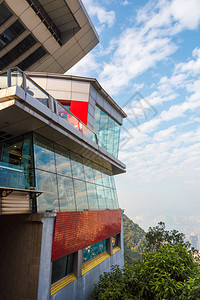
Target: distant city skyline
[(152, 47)]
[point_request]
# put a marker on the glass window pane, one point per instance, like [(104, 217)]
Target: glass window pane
[(115, 199), (11, 33), (109, 198), (106, 181), (92, 196), (116, 139), (97, 119), (66, 194), (111, 135), (46, 182), (101, 197), (77, 166), (80, 194), (59, 269), (17, 51), (44, 154), (63, 161), (32, 58), (88, 168), (70, 263), (94, 250), (5, 13)]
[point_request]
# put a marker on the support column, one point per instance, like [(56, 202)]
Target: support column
[(44, 284)]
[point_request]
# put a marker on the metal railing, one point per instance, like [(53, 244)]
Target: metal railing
[(16, 77)]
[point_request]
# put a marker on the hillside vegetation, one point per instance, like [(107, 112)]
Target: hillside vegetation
[(134, 238)]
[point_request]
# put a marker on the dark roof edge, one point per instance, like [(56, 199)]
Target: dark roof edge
[(93, 81)]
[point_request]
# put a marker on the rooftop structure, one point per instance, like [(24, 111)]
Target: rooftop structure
[(44, 35)]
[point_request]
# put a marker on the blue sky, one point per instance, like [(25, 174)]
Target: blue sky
[(148, 60)]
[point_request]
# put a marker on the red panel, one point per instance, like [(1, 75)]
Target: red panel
[(80, 110), (76, 230)]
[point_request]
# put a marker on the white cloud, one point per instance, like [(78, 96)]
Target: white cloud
[(95, 9), (86, 66), (125, 2)]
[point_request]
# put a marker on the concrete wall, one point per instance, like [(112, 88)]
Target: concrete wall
[(81, 288), (20, 246)]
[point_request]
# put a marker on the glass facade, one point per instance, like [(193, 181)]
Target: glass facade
[(16, 163), (62, 267), (94, 250), (107, 130), (69, 181)]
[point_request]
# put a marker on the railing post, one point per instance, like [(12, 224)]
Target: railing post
[(51, 103), (24, 82), (56, 107), (9, 78)]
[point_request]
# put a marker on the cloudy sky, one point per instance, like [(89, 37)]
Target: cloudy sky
[(148, 60)]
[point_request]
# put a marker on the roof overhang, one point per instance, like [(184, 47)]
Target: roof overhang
[(61, 27)]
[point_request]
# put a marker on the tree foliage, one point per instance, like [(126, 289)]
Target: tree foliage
[(159, 236), (166, 271), (134, 238)]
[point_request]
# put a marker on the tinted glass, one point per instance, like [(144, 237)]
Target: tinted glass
[(11, 33), (62, 267), (16, 165), (32, 58), (5, 13), (18, 50), (93, 250)]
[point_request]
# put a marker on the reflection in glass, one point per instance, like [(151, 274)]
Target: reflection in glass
[(89, 173), (101, 197), (46, 182), (66, 194), (94, 250), (107, 130), (63, 162), (115, 199), (44, 154), (109, 198), (77, 166), (80, 195), (92, 196)]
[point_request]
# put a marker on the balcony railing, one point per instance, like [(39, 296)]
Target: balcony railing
[(15, 77)]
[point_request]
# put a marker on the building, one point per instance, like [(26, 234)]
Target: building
[(60, 221), (194, 241)]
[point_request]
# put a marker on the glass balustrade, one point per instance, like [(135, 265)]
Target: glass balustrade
[(15, 77)]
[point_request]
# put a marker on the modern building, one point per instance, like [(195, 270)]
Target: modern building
[(60, 221)]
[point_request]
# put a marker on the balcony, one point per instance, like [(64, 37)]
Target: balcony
[(16, 77)]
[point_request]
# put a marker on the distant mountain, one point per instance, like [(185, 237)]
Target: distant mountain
[(134, 238)]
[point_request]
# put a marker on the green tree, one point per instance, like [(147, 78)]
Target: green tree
[(166, 271), (159, 236)]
